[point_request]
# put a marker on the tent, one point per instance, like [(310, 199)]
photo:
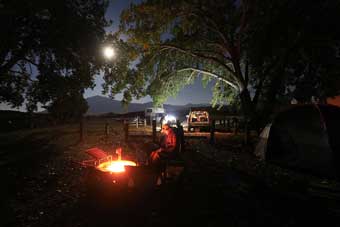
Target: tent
[(304, 138)]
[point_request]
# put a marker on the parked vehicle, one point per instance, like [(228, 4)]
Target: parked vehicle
[(199, 119)]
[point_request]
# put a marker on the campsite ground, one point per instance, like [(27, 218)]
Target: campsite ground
[(43, 185)]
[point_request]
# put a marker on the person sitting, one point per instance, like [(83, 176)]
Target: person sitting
[(167, 146)]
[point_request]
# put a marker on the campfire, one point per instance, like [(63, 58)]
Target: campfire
[(116, 172), (105, 163), (117, 166)]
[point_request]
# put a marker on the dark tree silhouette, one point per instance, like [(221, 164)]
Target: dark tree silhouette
[(49, 45), (293, 50)]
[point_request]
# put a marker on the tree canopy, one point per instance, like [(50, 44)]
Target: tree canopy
[(174, 41), (48, 46), (256, 50), (293, 48)]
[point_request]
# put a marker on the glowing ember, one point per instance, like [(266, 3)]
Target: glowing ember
[(115, 166)]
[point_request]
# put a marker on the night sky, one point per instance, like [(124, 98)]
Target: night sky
[(194, 93)]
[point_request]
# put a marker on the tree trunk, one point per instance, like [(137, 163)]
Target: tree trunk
[(248, 113), (126, 130), (246, 103), (212, 132), (31, 120), (270, 100)]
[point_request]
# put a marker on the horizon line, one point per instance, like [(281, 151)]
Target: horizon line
[(148, 102)]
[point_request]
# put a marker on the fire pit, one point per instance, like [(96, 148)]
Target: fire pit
[(104, 172), (114, 166)]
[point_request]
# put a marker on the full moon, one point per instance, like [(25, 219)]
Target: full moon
[(109, 52)]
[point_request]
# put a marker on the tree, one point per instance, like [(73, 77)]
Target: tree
[(293, 52), (256, 50), (42, 41), (172, 42), (68, 108)]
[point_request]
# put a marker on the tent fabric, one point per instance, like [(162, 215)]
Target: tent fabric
[(261, 147), (332, 120), (304, 138)]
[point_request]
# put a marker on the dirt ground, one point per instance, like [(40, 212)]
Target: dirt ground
[(43, 184)]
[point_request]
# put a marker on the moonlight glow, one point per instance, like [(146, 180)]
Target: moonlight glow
[(109, 52)]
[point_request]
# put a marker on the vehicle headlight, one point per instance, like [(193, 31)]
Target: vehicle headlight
[(169, 118)]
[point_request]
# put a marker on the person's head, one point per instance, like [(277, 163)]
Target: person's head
[(165, 128)]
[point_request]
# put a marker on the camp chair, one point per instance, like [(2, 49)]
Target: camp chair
[(99, 156)]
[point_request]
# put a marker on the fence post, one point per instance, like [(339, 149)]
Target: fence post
[(31, 120), (180, 136), (246, 132), (107, 131), (137, 122), (228, 125), (212, 132), (126, 130), (235, 123), (154, 131), (145, 123), (107, 128), (82, 129)]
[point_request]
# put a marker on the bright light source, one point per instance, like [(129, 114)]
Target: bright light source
[(169, 118), (109, 52), (117, 166)]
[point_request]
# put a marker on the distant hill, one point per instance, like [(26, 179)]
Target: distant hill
[(101, 105)]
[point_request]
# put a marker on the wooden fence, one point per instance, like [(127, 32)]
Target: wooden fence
[(137, 122), (139, 127)]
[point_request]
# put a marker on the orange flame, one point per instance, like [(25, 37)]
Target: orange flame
[(115, 166)]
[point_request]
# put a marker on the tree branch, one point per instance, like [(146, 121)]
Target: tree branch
[(243, 21), (9, 64), (246, 73), (214, 27), (258, 91), (193, 54), (31, 62), (210, 74)]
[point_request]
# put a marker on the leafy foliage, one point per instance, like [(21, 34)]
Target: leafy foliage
[(293, 50), (224, 96), (173, 42), (68, 107), (57, 41), (262, 53)]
